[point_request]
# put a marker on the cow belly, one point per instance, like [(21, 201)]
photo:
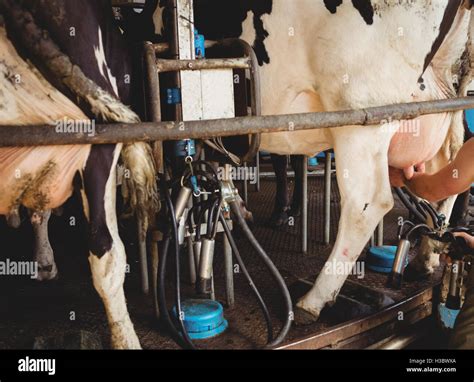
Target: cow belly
[(418, 140), (38, 177)]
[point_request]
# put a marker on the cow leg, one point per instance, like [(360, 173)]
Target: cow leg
[(297, 164), (107, 253), (43, 253), (362, 174), (280, 210)]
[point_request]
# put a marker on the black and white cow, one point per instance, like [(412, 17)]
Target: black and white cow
[(42, 178), (332, 55)]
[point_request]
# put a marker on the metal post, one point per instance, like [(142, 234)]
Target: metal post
[(257, 172), (380, 234), (142, 257), (229, 272), (327, 198), (246, 188), (304, 208), (189, 242), (213, 291), (155, 237)]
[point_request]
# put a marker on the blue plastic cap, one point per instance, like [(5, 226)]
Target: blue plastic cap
[(447, 316), (380, 259), (203, 318)]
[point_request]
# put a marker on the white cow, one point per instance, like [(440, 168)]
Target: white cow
[(335, 55)]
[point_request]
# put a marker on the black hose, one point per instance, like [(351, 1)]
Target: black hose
[(416, 228), (164, 314), (174, 227), (432, 212), (216, 219), (273, 270), (210, 217), (241, 263), (417, 214)]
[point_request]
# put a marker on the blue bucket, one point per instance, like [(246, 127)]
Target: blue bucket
[(380, 259), (203, 318)]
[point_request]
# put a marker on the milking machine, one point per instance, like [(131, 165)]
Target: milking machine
[(458, 251), (198, 202)]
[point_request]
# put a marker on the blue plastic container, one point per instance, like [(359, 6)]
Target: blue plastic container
[(470, 119), (199, 45), (203, 318), (447, 316), (380, 259)]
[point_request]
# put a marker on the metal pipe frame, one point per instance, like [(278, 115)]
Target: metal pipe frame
[(45, 135), (166, 65), (327, 197), (304, 208)]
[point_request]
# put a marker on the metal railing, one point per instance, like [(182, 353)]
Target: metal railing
[(42, 135)]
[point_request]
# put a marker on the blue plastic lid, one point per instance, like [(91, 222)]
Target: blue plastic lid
[(203, 318), (447, 316), (380, 259)]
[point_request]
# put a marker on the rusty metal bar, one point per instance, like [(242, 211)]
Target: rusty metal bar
[(327, 197), (152, 84), (166, 65), (45, 135), (164, 47)]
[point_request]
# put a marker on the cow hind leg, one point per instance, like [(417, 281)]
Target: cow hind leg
[(43, 253), (107, 257), (297, 162), (280, 210), (362, 174)]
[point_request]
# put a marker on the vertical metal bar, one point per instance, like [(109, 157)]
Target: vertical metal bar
[(246, 186), (154, 269), (229, 272), (153, 110), (189, 242), (380, 234), (372, 240), (152, 87), (304, 209), (213, 291), (142, 257), (257, 172), (327, 198)]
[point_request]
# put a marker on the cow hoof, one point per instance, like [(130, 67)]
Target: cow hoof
[(279, 219), (303, 317), (415, 273), (47, 273), (295, 212)]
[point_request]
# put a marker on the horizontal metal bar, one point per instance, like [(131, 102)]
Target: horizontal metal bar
[(163, 47), (165, 131), (165, 65)]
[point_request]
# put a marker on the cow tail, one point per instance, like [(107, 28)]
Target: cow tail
[(139, 184), (139, 187)]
